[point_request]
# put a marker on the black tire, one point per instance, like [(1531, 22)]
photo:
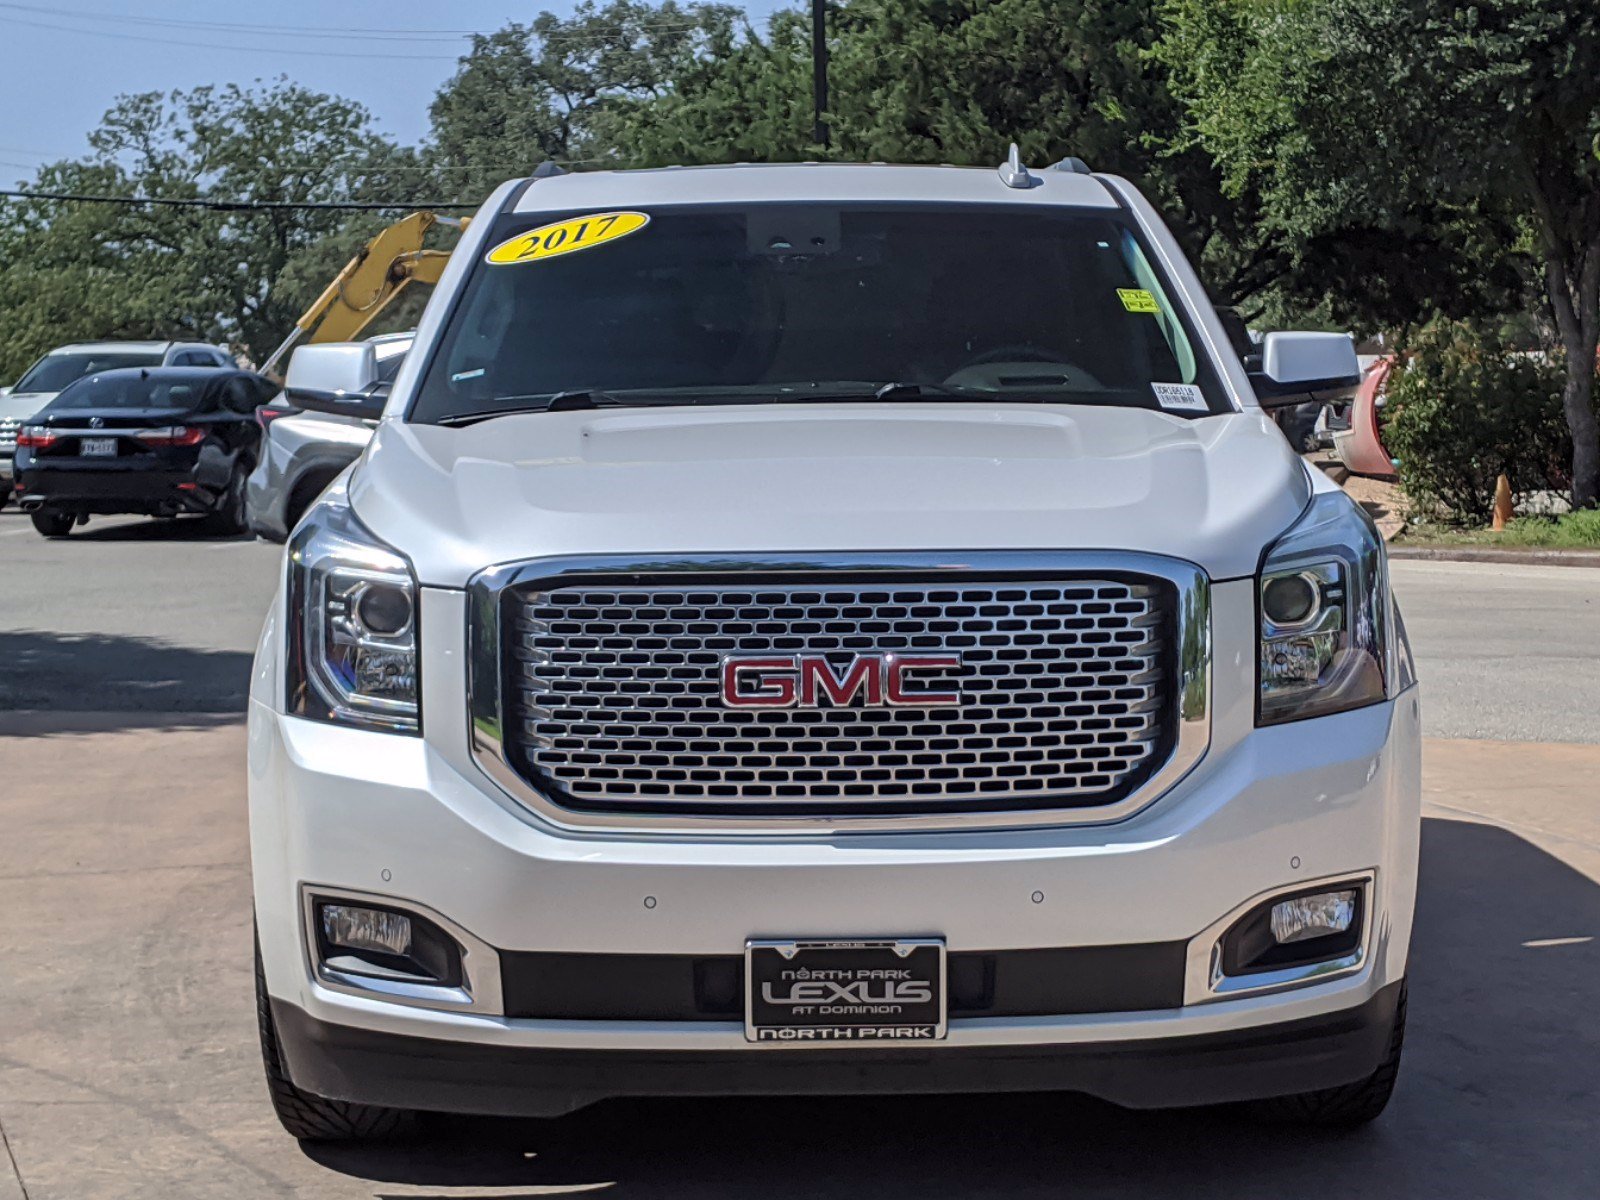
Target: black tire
[(313, 1118), (1345, 1107), (51, 523), (230, 518)]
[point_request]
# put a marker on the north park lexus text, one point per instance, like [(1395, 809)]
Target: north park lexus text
[(824, 628)]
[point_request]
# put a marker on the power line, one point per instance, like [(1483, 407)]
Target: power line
[(243, 205), (246, 27), (165, 41)]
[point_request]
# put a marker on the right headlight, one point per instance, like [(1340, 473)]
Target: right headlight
[(352, 624), (1323, 604)]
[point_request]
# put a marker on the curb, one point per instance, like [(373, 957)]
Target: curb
[(1508, 557)]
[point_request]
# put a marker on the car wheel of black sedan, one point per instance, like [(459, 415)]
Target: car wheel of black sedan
[(53, 524)]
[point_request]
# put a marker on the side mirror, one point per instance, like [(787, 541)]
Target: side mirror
[(336, 378), (1297, 368), (5, 391)]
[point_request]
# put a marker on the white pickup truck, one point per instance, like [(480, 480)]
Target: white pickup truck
[(821, 629)]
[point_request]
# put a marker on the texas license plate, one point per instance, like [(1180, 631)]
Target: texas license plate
[(877, 990), (98, 447)]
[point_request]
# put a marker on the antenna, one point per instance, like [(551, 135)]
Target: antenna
[(1013, 174)]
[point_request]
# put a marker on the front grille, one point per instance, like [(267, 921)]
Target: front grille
[(613, 696), (8, 436)]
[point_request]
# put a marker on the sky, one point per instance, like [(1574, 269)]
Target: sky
[(64, 62)]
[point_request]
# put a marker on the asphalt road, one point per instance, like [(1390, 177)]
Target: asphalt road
[(128, 1063)]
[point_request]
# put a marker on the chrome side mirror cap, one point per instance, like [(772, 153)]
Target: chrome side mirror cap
[(336, 378), (1300, 368)]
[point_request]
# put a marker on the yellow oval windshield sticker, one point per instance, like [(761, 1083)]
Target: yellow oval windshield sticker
[(567, 237), (1138, 300)]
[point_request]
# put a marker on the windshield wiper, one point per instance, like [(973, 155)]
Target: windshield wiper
[(566, 401), (906, 390)]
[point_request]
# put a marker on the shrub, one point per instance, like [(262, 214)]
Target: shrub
[(1466, 409)]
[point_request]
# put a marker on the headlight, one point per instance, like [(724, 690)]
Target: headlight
[(1324, 613), (352, 624)]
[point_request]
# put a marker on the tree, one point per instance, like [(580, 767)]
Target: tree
[(555, 88), (957, 80), (1397, 108), (79, 270)]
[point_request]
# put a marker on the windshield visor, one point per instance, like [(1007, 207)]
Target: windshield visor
[(745, 304)]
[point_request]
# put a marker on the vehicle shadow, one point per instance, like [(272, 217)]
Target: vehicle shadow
[(51, 678), (1500, 1096), (133, 529)]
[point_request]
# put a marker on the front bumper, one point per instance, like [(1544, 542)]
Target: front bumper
[(350, 1063), (416, 820)]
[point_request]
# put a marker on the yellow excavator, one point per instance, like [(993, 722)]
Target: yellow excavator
[(371, 281)]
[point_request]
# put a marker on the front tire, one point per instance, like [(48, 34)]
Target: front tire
[(1346, 1107), (52, 524), (313, 1118)]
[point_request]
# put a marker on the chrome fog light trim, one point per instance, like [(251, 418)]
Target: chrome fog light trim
[(477, 991), (1207, 976)]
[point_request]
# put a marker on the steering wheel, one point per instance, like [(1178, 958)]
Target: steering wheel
[(1016, 352)]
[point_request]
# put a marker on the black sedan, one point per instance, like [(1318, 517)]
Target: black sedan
[(162, 441)]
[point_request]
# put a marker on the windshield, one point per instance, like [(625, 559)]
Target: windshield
[(130, 390), (54, 371), (775, 302)]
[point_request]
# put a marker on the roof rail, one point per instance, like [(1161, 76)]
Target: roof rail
[(1076, 165), (1013, 174), (548, 168)]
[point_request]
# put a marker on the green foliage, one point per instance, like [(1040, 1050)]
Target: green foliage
[(79, 271), (1468, 126), (1467, 409), (562, 88)]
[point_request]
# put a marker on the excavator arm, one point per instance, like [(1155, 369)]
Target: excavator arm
[(391, 262)]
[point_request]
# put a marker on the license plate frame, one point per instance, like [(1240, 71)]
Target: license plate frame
[(97, 447), (849, 992)]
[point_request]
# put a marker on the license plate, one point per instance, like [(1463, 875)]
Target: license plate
[(98, 447), (882, 990)]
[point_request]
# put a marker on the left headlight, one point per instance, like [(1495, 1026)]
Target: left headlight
[(352, 624), (1323, 604)]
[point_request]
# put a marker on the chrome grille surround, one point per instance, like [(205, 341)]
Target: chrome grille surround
[(1146, 711)]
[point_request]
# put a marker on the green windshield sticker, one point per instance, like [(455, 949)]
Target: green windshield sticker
[(1138, 300)]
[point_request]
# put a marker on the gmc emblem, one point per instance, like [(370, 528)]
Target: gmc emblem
[(809, 681)]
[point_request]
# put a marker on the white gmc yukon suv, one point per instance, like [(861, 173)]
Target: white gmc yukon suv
[(821, 629)]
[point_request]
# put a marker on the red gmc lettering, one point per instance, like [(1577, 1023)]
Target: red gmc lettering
[(758, 682), (897, 668), (809, 681), (863, 674)]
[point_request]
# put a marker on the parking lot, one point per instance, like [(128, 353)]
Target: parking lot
[(128, 1058)]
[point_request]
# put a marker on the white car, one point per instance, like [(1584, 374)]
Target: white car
[(43, 381), (822, 629)]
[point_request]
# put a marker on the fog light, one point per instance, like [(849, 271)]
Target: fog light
[(1306, 917), (368, 929)]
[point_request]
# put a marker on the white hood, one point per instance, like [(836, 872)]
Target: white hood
[(893, 476), (22, 405)]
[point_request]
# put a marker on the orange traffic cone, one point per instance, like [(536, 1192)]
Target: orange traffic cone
[(1502, 503)]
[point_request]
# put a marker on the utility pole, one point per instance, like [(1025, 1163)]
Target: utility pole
[(819, 71)]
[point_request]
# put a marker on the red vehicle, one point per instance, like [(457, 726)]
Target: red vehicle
[(1354, 425)]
